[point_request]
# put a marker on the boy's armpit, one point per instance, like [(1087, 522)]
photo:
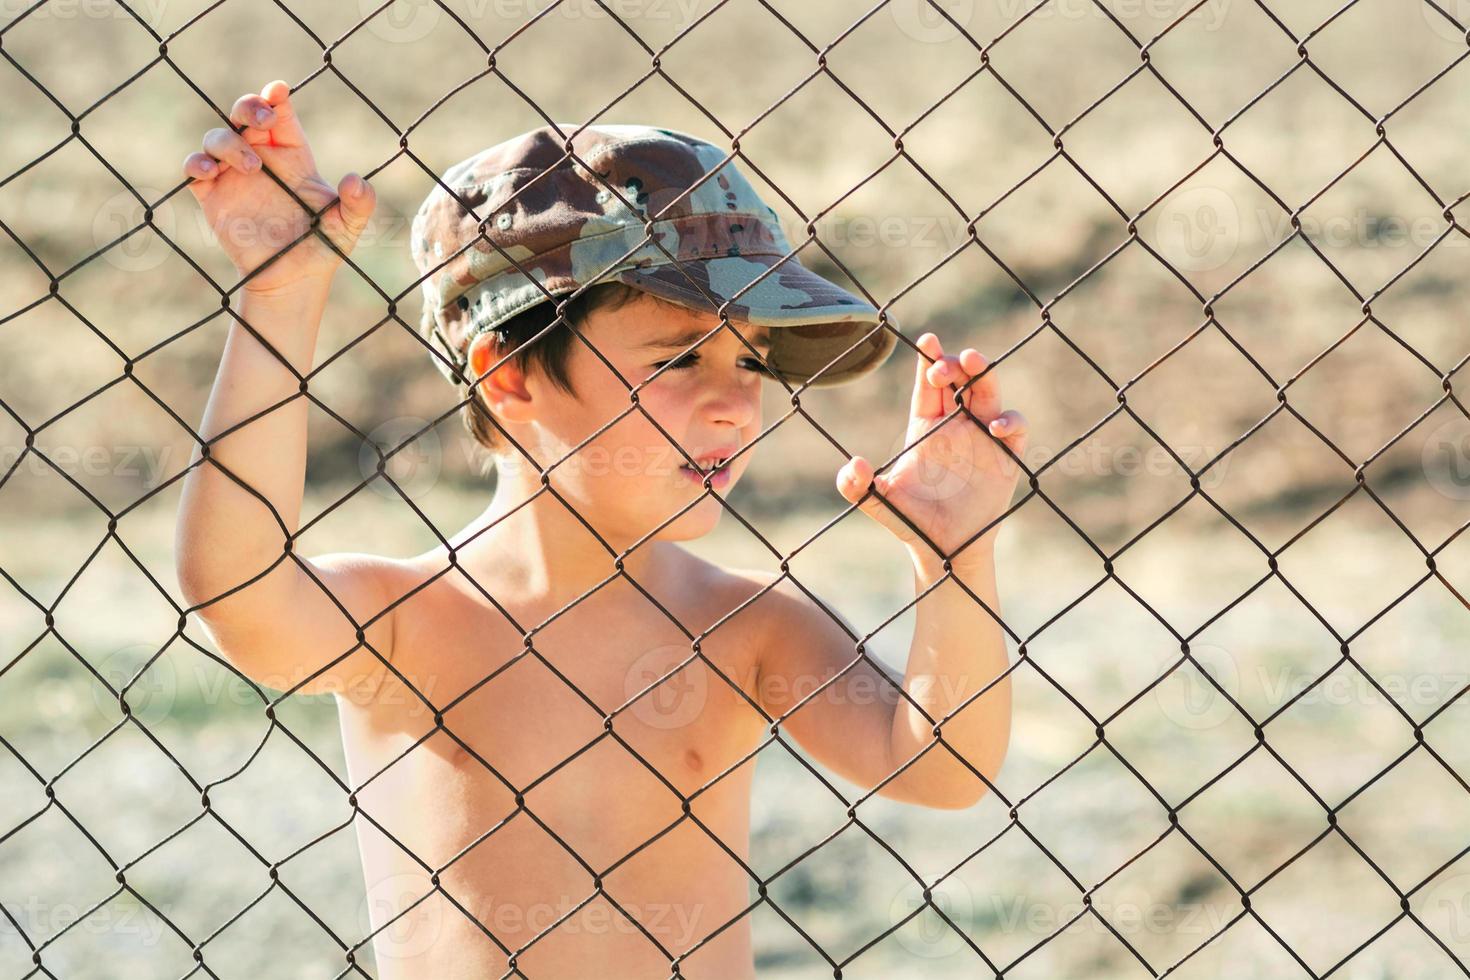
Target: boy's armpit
[(802, 645), (285, 635)]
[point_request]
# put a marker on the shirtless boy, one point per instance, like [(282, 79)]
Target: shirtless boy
[(551, 725)]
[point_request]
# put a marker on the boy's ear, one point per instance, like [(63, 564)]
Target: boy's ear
[(504, 391)]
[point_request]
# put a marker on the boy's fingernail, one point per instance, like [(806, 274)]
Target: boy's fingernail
[(252, 161), (262, 114)]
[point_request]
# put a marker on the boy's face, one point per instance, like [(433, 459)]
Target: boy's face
[(630, 478)]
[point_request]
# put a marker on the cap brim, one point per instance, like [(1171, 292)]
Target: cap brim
[(828, 329)]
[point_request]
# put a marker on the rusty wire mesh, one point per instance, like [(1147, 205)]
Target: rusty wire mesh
[(1127, 221)]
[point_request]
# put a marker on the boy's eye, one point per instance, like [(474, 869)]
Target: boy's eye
[(692, 358)]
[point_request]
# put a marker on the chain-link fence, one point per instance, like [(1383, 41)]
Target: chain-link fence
[(1211, 249)]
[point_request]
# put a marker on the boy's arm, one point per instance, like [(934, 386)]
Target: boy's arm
[(948, 487), (284, 629), (859, 726)]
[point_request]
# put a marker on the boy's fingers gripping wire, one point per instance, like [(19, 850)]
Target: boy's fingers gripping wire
[(270, 123), (261, 191), (344, 222), (223, 149), (257, 115), (271, 116)]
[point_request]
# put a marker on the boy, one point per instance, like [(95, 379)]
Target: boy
[(529, 803)]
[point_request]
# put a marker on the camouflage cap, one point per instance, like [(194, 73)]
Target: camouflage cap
[(563, 225)]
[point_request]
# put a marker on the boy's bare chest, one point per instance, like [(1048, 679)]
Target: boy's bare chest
[(609, 691), (602, 726)]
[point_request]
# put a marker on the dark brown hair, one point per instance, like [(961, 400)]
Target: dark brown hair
[(548, 353)]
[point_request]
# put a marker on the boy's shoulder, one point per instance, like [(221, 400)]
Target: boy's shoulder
[(778, 606), (705, 590), (721, 581), (719, 590), (752, 611)]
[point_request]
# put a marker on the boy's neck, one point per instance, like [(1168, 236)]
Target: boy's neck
[(543, 554)]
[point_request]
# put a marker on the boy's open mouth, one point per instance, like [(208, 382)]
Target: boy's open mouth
[(707, 464)]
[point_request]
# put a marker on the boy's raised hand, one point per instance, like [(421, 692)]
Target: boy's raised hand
[(251, 216), (957, 480)]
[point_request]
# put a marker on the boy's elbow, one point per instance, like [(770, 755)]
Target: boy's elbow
[(222, 592), (204, 595), (957, 787), (197, 577), (190, 580), (953, 798), (957, 792)]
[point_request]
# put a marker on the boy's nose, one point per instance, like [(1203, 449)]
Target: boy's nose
[(732, 401)]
